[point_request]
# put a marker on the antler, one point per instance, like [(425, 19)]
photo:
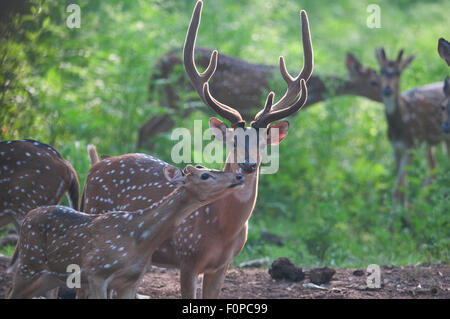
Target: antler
[(265, 117), (293, 88), (200, 80)]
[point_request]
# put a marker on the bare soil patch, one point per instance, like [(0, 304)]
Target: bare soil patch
[(397, 282)]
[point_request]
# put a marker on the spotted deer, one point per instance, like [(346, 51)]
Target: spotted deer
[(444, 52), (409, 124), (33, 174), (207, 240), (424, 96), (241, 84), (112, 250), (252, 80)]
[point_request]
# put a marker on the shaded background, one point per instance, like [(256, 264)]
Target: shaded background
[(331, 199)]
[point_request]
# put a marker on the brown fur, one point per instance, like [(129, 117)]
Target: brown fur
[(33, 174), (112, 249)]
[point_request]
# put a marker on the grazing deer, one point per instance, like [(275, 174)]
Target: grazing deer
[(444, 52), (242, 84), (33, 174), (409, 124), (207, 240), (113, 249)]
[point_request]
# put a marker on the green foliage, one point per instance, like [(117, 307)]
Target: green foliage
[(331, 198)]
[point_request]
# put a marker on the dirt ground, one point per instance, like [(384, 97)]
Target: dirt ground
[(397, 282)]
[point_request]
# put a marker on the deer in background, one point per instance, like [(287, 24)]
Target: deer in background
[(409, 124), (252, 80), (113, 249), (444, 52), (242, 84), (33, 174), (207, 240)]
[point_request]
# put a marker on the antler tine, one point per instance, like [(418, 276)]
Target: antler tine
[(264, 118), (223, 110), (200, 80), (293, 84), (197, 79), (267, 107)]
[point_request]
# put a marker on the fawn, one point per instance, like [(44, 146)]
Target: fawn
[(113, 249), (409, 124)]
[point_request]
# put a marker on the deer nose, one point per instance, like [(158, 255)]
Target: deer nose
[(387, 91)]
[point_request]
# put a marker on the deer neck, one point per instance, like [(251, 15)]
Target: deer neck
[(392, 105), (158, 222), (234, 210), (321, 87)]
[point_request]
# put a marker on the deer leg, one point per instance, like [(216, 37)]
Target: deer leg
[(82, 294), (154, 126), (188, 281), (212, 283), (447, 146), (98, 288), (401, 181), (431, 159), (128, 292), (27, 288), (52, 294), (17, 224)]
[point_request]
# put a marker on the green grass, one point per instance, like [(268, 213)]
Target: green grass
[(331, 198)]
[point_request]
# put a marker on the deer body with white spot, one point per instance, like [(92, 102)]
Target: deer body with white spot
[(409, 124), (112, 249), (33, 174), (207, 240)]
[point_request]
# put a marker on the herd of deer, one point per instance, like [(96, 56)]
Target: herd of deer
[(137, 210)]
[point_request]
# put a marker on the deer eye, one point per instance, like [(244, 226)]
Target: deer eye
[(204, 176), (199, 166)]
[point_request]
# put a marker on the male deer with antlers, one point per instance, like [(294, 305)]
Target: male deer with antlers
[(33, 174), (409, 124), (113, 249), (208, 239)]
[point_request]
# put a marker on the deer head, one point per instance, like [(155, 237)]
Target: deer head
[(391, 71), (361, 74), (203, 183), (286, 106)]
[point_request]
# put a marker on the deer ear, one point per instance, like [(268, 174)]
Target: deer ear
[(405, 62), (174, 175), (444, 50), (447, 86), (277, 132), (381, 56), (218, 129), (189, 169), (352, 63)]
